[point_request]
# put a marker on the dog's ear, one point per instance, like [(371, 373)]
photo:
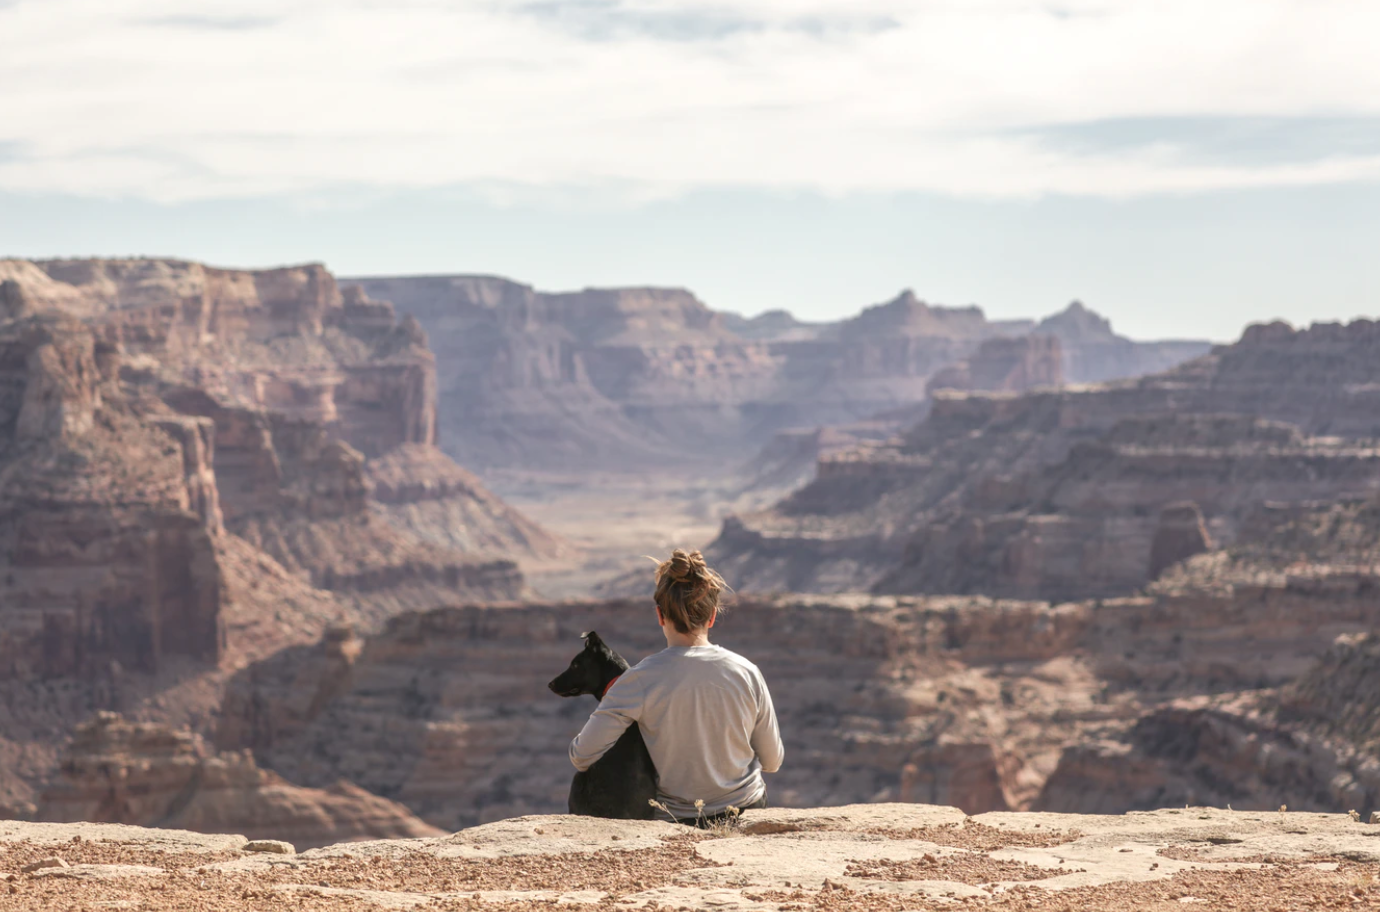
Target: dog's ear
[(592, 640)]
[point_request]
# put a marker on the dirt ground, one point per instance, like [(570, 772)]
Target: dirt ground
[(873, 858)]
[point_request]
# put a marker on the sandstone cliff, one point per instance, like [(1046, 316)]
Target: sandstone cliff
[(1060, 493), (633, 377), (1011, 365), (188, 460), (1093, 353), (981, 703), (294, 387), (1310, 744), (153, 775), (108, 514)]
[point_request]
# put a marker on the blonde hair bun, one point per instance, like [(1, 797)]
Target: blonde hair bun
[(687, 591), (686, 566)]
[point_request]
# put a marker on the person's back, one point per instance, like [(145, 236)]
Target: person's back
[(704, 711), (708, 721)]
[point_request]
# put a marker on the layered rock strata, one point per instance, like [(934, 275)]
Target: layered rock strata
[(635, 377), (1009, 365), (1093, 353), (186, 486), (109, 515), (289, 387), (153, 775), (1059, 493), (985, 704)]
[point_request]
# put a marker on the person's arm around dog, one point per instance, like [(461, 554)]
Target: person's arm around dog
[(618, 709), (705, 713)]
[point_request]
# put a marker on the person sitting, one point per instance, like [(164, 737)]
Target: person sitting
[(705, 711)]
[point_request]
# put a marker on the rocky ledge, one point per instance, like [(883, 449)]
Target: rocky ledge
[(870, 857)]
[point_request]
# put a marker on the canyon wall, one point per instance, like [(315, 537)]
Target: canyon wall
[(280, 389), (145, 774), (1093, 353), (629, 378), (108, 517), (981, 703), (1061, 493), (188, 460)]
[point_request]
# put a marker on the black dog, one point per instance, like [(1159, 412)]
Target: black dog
[(622, 783)]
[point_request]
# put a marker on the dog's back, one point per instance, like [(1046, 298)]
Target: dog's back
[(622, 783)]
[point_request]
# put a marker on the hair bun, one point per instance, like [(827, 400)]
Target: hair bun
[(686, 566), (687, 591)]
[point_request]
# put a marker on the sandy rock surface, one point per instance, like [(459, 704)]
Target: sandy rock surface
[(869, 857)]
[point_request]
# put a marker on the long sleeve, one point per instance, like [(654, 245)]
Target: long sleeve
[(619, 708), (766, 736)]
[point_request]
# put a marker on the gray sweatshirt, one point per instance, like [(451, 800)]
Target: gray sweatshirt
[(708, 721)]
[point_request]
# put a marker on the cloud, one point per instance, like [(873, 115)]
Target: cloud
[(166, 100), (1239, 141), (610, 20), (223, 23)]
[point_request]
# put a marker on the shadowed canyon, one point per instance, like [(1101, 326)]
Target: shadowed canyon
[(293, 556)]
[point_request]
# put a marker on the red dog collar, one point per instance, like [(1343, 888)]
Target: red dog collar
[(608, 685)]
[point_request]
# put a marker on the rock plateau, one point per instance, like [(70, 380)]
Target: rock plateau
[(201, 466), (1064, 493), (882, 858), (632, 378)]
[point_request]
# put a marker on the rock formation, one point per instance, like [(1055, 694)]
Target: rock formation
[(278, 389), (1180, 535), (873, 856), (1093, 353), (152, 775), (108, 515), (187, 464), (1009, 365), (421, 491), (635, 377), (1059, 493), (982, 703)]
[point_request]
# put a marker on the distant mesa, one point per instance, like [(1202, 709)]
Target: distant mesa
[(1076, 323), (1012, 365), (1093, 353), (631, 379), (1061, 493)]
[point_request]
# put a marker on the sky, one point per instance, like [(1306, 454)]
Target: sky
[(1184, 167)]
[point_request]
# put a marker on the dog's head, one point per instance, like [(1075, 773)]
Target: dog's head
[(590, 671)]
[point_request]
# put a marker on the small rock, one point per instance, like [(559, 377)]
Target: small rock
[(272, 846), (53, 862), (1375, 816)]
